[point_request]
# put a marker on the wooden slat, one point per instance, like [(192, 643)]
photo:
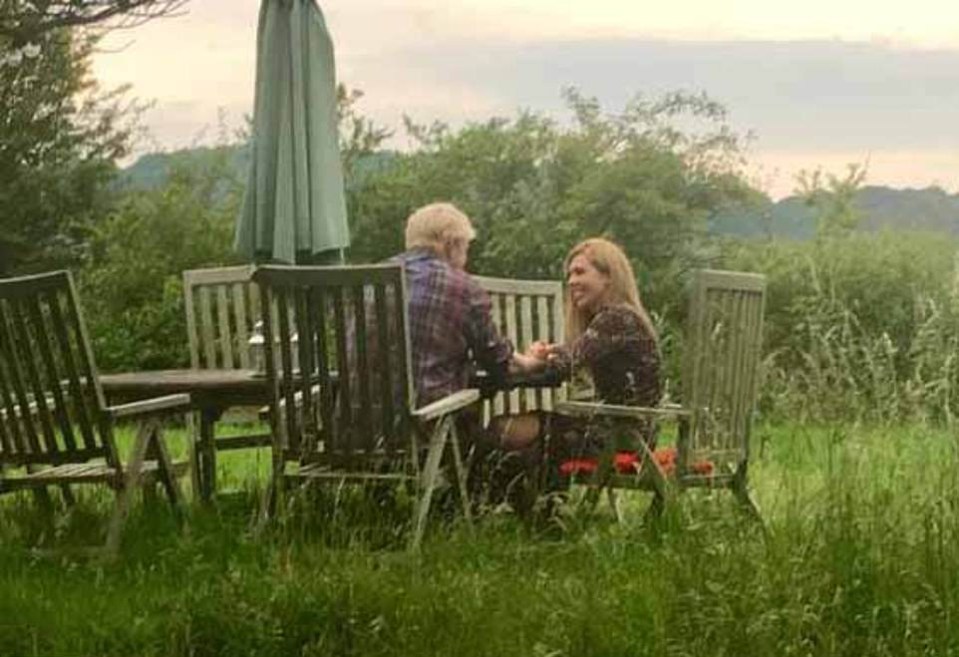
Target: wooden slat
[(558, 335), (88, 368), (193, 336), (28, 350), (44, 337), (332, 277), (317, 311), (307, 362), (740, 363), (526, 330), (242, 323), (545, 395), (712, 278), (505, 286), (207, 337), (384, 353), (81, 411), (362, 366), (217, 276), (282, 302), (273, 376), (18, 440), (343, 440), (512, 334), (223, 322), (403, 340), (499, 400)]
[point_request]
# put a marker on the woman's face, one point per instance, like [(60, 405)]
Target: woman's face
[(588, 286)]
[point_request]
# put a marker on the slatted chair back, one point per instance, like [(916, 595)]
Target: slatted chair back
[(525, 311), (721, 367), (222, 306), (51, 403), (343, 389)]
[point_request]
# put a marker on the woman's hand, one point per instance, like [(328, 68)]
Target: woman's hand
[(526, 363)]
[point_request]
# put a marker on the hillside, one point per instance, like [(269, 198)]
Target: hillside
[(881, 208)]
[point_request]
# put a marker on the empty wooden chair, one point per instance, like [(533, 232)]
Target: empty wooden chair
[(222, 311), (55, 427), (343, 405), (720, 372)]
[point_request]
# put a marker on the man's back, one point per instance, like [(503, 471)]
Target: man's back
[(450, 326)]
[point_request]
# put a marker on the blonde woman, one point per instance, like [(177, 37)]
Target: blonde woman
[(611, 339)]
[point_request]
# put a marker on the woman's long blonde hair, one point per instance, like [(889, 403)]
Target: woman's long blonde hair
[(608, 258)]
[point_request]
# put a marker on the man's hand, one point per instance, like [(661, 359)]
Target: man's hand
[(525, 363)]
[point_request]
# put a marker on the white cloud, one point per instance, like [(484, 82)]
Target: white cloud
[(456, 60)]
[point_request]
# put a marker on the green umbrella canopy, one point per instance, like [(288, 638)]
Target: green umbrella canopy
[(294, 206)]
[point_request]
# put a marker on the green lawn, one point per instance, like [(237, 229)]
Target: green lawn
[(860, 558)]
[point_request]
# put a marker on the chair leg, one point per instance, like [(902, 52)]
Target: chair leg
[(656, 507), (661, 486), (129, 485), (745, 499), (614, 504), (207, 456), (165, 471), (428, 478), (461, 473)]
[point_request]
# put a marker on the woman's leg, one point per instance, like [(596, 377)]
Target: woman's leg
[(516, 474)]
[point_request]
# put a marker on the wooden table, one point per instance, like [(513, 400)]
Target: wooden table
[(211, 393)]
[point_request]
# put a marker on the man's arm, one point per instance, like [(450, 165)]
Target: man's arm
[(490, 350)]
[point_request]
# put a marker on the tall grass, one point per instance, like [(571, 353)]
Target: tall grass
[(860, 558), (863, 327)]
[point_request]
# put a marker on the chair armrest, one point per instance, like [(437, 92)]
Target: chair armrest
[(179, 402), (449, 404), (577, 408)]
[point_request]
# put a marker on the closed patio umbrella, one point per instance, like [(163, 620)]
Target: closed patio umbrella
[(294, 208)]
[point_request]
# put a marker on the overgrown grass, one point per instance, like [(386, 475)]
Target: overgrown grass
[(860, 558)]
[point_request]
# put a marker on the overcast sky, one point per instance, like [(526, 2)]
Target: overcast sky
[(819, 83)]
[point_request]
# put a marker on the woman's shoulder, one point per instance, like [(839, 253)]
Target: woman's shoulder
[(618, 314), (619, 318)]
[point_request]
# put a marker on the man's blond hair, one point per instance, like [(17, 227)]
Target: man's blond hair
[(435, 224)]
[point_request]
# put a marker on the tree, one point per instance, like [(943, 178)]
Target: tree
[(59, 137), (833, 199), (25, 21), (534, 187)]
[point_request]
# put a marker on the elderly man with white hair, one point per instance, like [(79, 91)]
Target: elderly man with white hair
[(450, 323)]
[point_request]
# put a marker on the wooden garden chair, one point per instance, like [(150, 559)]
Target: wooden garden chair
[(222, 307), (347, 412), (55, 427), (721, 356), (525, 311)]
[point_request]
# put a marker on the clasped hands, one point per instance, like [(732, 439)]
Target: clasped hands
[(537, 355)]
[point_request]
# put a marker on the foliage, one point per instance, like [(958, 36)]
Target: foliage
[(59, 137), (131, 286), (534, 187), (860, 326), (860, 558), (24, 21), (833, 201)]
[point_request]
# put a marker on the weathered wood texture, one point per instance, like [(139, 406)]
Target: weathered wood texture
[(720, 373), (525, 311), (362, 423), (55, 427), (222, 308)]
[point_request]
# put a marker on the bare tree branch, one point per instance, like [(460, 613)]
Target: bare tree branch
[(22, 20)]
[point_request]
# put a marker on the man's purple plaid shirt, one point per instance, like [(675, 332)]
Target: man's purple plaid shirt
[(450, 326)]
